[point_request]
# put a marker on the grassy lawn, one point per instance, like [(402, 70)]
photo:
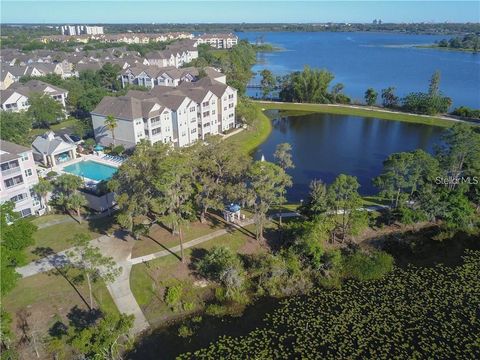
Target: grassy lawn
[(248, 140), (69, 123), (364, 112), (160, 238), (150, 280), (48, 298), (57, 237)]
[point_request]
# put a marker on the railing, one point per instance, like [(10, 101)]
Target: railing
[(12, 171)]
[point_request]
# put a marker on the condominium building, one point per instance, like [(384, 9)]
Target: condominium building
[(219, 41), (15, 98), (17, 177), (73, 30), (175, 115)]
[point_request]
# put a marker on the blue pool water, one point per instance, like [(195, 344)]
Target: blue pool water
[(92, 170)]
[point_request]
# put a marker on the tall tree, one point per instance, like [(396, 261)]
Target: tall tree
[(133, 183), (174, 185), (111, 124), (371, 97), (75, 202), (317, 203), (15, 127), (15, 236), (92, 264), (268, 183), (268, 82), (105, 339), (44, 110), (346, 201), (43, 188), (460, 153), (283, 156), (389, 99), (219, 173), (434, 87)]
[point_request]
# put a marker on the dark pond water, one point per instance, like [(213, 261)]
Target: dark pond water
[(362, 60), (326, 145)]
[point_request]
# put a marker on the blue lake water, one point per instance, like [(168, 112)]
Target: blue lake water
[(362, 60), (91, 169), (326, 145)]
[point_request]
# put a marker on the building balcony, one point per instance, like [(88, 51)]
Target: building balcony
[(12, 171)]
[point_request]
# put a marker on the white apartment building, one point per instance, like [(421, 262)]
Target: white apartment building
[(73, 30), (176, 115), (18, 175), (219, 41), (15, 98)]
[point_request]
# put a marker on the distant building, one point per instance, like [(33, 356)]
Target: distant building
[(219, 41), (73, 30), (17, 177)]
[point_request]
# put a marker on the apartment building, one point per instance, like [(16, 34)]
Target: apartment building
[(15, 98), (175, 115), (151, 76), (219, 41), (72, 30), (18, 175)]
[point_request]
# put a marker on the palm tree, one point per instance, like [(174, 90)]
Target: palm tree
[(111, 124), (43, 188), (75, 202)]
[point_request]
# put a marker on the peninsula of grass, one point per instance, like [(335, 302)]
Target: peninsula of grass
[(248, 140), (295, 108)]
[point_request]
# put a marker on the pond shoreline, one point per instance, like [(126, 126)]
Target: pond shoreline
[(358, 110)]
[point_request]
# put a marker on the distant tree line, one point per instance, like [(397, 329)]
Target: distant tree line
[(467, 42)]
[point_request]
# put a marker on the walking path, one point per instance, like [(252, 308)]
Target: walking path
[(121, 252)]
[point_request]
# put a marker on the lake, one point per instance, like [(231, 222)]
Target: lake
[(326, 145), (362, 60)]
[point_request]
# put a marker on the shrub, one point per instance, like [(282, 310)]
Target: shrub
[(216, 310), (218, 261), (118, 150), (173, 294), (188, 306), (185, 331), (466, 112), (52, 174), (365, 267)]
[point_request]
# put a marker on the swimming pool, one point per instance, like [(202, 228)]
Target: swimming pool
[(91, 169)]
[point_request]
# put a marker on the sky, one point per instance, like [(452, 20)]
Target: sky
[(197, 11)]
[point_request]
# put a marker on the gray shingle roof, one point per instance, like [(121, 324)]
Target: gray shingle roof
[(11, 150)]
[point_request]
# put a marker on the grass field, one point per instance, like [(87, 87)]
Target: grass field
[(57, 237), (354, 111), (248, 140)]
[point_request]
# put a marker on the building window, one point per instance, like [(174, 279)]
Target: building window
[(156, 131), (28, 172), (230, 106), (193, 131), (24, 156), (206, 113), (26, 212), (192, 109), (230, 96), (205, 103), (18, 197), (213, 112), (13, 181), (213, 102)]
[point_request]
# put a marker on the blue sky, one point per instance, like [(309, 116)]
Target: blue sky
[(129, 11)]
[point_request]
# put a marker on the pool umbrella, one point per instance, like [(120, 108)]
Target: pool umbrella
[(98, 147)]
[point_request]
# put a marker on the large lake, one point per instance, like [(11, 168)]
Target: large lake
[(378, 60), (326, 145)]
